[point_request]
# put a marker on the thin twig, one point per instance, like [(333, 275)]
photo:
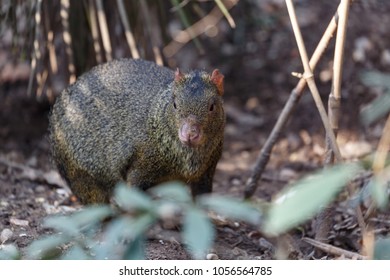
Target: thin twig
[(310, 80), (334, 250), (293, 100), (95, 31), (225, 12), (184, 19), (36, 54), (104, 29), (198, 28), (67, 39), (129, 35), (153, 37)]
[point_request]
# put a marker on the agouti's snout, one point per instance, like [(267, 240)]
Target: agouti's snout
[(190, 132)]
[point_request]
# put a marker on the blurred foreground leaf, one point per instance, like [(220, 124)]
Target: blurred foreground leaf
[(9, 252), (232, 208), (198, 232), (175, 191), (382, 249), (136, 249), (75, 253), (381, 105), (379, 191), (47, 247), (132, 199), (379, 108), (307, 197)]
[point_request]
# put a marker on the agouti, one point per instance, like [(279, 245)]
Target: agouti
[(140, 123)]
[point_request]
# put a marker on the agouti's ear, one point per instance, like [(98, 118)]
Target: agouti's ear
[(178, 75), (217, 80)]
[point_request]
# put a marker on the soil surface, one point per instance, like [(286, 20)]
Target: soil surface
[(257, 61)]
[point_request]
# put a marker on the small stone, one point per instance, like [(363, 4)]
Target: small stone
[(4, 203), (236, 182), (5, 235), (212, 257), (355, 150), (19, 222), (287, 174), (40, 189)]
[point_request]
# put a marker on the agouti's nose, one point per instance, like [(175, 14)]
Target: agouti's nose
[(190, 132)]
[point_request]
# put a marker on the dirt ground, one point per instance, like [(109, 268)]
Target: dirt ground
[(257, 68)]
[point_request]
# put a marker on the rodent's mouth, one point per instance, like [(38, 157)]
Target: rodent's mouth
[(191, 142)]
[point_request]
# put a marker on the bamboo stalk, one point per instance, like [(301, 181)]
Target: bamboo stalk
[(324, 219), (67, 39), (102, 20), (293, 100), (184, 19), (198, 28), (147, 18), (95, 31), (129, 35), (308, 75), (226, 13), (36, 53)]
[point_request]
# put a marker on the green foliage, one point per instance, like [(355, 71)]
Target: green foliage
[(104, 232), (380, 191), (132, 199), (302, 201), (9, 252), (232, 208), (198, 232), (381, 105), (382, 249)]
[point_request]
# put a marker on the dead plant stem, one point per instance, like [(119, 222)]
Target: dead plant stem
[(310, 80), (293, 100)]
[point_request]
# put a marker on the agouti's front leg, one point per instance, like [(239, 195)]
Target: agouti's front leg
[(205, 184), (202, 186)]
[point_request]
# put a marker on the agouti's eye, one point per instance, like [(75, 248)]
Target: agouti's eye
[(212, 107)]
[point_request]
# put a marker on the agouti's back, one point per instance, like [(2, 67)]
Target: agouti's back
[(133, 121)]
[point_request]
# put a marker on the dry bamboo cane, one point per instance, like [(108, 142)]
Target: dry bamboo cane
[(293, 100), (324, 219)]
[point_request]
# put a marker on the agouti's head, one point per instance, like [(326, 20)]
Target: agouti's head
[(198, 107)]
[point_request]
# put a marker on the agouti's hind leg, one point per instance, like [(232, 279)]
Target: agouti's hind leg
[(89, 191)]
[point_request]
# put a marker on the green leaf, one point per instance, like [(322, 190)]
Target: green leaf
[(232, 208), (379, 188), (381, 105), (9, 252), (307, 197), (123, 229), (375, 78), (62, 224), (47, 247), (176, 191), (90, 216), (131, 198), (379, 108), (135, 250), (382, 249), (198, 232), (75, 253)]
